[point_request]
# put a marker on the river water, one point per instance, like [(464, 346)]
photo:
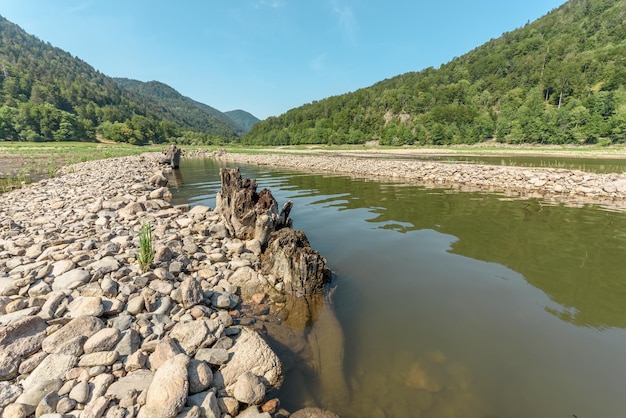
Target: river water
[(457, 304)]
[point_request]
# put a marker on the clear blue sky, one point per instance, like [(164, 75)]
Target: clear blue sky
[(268, 56)]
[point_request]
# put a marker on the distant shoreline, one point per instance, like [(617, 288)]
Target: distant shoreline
[(554, 185)]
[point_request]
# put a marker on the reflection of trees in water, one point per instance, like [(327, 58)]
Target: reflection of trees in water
[(574, 255)]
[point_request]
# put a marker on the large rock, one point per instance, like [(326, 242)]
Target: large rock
[(52, 367), (168, 391), (84, 326), (71, 279), (250, 353), (249, 389), (19, 339)]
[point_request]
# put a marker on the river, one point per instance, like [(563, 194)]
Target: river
[(457, 304)]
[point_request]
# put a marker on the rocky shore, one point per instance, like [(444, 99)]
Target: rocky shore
[(554, 185), (85, 333)]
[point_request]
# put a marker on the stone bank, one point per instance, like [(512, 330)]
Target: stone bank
[(85, 333)]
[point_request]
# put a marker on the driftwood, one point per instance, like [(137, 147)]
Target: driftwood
[(171, 156), (248, 214), (286, 253)]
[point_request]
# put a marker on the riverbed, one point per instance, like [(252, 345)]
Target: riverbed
[(456, 303)]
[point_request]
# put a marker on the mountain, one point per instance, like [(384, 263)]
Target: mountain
[(186, 111), (243, 119), (47, 94), (560, 79)]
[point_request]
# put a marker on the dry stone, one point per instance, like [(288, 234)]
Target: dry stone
[(167, 393)]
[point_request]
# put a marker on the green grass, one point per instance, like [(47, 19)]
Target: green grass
[(145, 256)]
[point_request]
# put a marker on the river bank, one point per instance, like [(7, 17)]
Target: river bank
[(84, 332), (554, 185)]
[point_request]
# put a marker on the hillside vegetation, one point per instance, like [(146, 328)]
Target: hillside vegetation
[(560, 79), (46, 94)]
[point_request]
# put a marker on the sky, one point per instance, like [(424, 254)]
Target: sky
[(268, 56)]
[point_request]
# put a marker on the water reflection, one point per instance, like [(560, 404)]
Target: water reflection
[(456, 304)]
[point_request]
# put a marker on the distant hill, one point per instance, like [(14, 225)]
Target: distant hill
[(243, 119), (560, 79), (186, 111), (47, 94)]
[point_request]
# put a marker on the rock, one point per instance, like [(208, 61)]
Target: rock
[(200, 376), (104, 340), (253, 412), (165, 350), (71, 279), (95, 408), (85, 306), (80, 392), (250, 353), (17, 340), (62, 266), (207, 402), (191, 292), (47, 405), (105, 265), (17, 410), (215, 356), (9, 393), (137, 381), (192, 335), (53, 367), (313, 413), (249, 389), (34, 393), (82, 326), (167, 393), (98, 358)]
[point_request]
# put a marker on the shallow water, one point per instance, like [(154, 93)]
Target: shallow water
[(457, 304)]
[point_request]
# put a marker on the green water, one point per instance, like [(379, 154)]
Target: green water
[(458, 304)]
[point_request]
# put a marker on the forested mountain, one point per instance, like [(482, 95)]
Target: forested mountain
[(243, 119), (560, 79), (47, 94), (184, 110)]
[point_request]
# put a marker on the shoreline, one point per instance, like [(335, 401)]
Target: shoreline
[(84, 332), (553, 185)]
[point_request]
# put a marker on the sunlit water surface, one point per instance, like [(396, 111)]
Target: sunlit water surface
[(457, 304)]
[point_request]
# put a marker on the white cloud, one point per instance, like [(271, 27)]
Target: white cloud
[(346, 19)]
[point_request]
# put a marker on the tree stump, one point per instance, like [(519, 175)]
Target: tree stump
[(286, 253)]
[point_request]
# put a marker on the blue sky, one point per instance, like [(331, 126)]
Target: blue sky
[(268, 56)]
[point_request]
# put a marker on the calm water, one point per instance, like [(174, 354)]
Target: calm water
[(458, 304)]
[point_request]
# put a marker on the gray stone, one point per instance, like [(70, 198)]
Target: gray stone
[(137, 381), (253, 412), (207, 402), (52, 367), (192, 335), (251, 353), (249, 389), (85, 306), (191, 292), (8, 393), (60, 267), (215, 356), (200, 376), (70, 279), (98, 358), (33, 394), (105, 265), (104, 340), (167, 393), (82, 326), (80, 392), (95, 408)]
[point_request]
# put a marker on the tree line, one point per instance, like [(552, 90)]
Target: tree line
[(558, 80)]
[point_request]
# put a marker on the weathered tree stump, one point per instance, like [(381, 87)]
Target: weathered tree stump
[(171, 156), (248, 214), (287, 254)]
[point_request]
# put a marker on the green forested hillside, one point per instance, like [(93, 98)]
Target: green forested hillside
[(243, 119), (183, 110), (46, 94), (560, 79)]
